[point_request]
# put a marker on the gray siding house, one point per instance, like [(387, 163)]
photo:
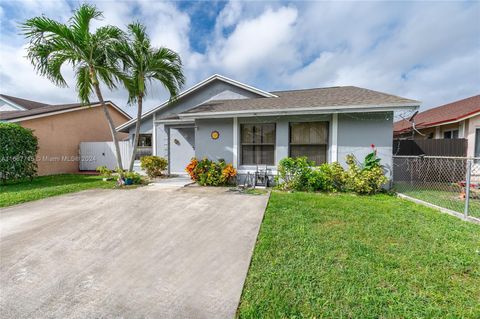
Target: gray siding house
[(221, 118)]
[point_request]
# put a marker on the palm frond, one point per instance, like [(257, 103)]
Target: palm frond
[(145, 64), (82, 17), (84, 83)]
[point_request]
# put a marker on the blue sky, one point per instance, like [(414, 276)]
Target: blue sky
[(428, 51)]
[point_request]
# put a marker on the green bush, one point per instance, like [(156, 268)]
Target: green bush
[(299, 174), (104, 171), (362, 178), (134, 176), (153, 165), (18, 149)]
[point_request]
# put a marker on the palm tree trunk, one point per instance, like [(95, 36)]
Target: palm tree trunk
[(110, 124), (137, 132)]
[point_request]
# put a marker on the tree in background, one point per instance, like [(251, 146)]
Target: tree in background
[(91, 54), (143, 64)]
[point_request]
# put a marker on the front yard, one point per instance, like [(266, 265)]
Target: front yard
[(46, 186), (334, 256)]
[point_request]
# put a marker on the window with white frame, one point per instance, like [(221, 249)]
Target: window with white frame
[(309, 139), (450, 134), (257, 144)]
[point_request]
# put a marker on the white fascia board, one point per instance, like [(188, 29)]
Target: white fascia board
[(196, 87), (302, 111), (15, 105)]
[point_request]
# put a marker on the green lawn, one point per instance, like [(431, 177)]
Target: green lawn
[(46, 186), (442, 195), (347, 256)]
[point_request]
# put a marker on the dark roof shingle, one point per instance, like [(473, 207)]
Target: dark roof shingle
[(37, 108), (27, 104), (309, 98)]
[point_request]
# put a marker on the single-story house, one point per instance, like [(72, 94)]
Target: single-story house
[(61, 128), (221, 118), (456, 120)]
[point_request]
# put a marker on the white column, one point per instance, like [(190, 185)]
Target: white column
[(235, 142), (154, 139), (461, 129), (438, 132), (334, 147), (154, 136)]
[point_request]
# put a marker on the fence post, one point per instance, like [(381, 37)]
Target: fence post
[(467, 186)]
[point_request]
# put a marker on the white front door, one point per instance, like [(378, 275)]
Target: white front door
[(182, 148)]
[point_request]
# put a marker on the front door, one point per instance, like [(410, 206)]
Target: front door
[(182, 148)]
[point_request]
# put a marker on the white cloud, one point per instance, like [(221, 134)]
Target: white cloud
[(258, 43), (418, 50)]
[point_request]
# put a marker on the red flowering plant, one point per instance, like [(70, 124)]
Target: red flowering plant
[(372, 160), (207, 172)]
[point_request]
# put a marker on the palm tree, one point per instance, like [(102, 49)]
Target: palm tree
[(91, 54), (145, 64)]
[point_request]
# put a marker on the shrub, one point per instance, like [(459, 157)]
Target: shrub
[(190, 169), (104, 171), (18, 149), (153, 165), (210, 173), (363, 178), (134, 176), (295, 173)]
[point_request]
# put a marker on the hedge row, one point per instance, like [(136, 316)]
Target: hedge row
[(18, 149)]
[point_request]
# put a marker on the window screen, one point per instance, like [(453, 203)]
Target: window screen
[(309, 139), (258, 144)]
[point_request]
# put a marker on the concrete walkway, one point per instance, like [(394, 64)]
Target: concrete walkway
[(152, 252)]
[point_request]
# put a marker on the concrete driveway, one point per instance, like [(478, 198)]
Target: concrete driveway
[(152, 252)]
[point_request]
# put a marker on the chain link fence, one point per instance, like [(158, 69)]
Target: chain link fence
[(448, 182)]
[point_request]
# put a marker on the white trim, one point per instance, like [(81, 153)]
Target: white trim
[(154, 139), (438, 132), (235, 142), (13, 104), (31, 117), (196, 87), (334, 146), (303, 110), (461, 129)]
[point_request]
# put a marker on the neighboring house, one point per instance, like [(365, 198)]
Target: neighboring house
[(60, 129), (220, 118), (456, 120)]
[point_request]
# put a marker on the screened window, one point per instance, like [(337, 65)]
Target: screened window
[(257, 144), (450, 134), (309, 139)]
